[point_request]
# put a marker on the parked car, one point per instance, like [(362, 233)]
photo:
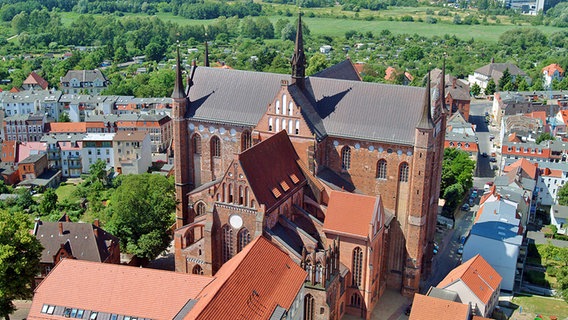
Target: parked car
[(460, 250), (492, 159), (408, 310), (462, 240), (465, 207), (474, 193), (471, 202), (484, 154), (491, 137)]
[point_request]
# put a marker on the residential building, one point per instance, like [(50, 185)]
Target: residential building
[(558, 217), (391, 74), (552, 72), (481, 76), (346, 134), (24, 127), (158, 127), (460, 134), (65, 240), (477, 285), (552, 176), (457, 94), (31, 101), (35, 82), (83, 82), (32, 167), (64, 153), (260, 283), (432, 308), (132, 152), (97, 146), (498, 227)]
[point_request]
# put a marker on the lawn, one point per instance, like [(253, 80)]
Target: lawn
[(66, 192), (536, 305)]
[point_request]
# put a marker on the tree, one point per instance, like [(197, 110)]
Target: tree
[(475, 90), (155, 51), (457, 176), (141, 211), (64, 117), (19, 260), (505, 80), (562, 195), (491, 87), (48, 203), (544, 137), (317, 63)]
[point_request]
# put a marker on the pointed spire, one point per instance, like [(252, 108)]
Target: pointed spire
[(179, 92), (206, 54), (299, 58), (426, 119), (444, 84)]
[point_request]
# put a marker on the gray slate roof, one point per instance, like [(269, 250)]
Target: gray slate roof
[(353, 109), (84, 75), (343, 70), (495, 70), (33, 158)]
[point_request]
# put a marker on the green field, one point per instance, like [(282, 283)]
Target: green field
[(66, 192), (332, 26), (547, 307)]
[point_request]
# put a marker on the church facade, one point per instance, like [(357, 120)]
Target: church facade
[(277, 155)]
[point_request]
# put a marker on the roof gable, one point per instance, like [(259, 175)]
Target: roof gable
[(431, 308), (352, 214), (345, 70)]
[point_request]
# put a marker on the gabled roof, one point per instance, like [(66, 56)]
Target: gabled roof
[(529, 168), (478, 275), (35, 79), (116, 289), (251, 285), (81, 236), (268, 165), (67, 127), (353, 109), (498, 220), (430, 308), (495, 70), (32, 158), (351, 214), (84, 75), (345, 70), (549, 69)]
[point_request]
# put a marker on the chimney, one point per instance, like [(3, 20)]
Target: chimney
[(96, 223), (66, 217), (454, 80), (60, 225)]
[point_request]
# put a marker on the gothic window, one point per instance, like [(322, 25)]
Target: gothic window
[(215, 147), (197, 269), (290, 126), (196, 141), (283, 124), (357, 270), (277, 125), (230, 193), (355, 300), (284, 104), (200, 209), (382, 169), (277, 106), (244, 239), (241, 196), (403, 174), (246, 141), (309, 307), (318, 270), (227, 243), (345, 158), (290, 108), (269, 124)]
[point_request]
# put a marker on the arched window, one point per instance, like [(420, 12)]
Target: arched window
[(197, 269), (243, 238), (196, 141), (290, 126), (277, 125), (283, 124), (231, 198), (319, 270), (309, 307), (403, 174), (290, 108), (355, 300), (382, 169), (345, 158), (297, 126), (227, 243), (215, 147), (277, 106), (284, 104), (269, 124), (241, 195), (246, 141), (200, 209), (357, 270)]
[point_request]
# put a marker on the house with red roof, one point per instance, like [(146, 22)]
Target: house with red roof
[(477, 284), (35, 82), (426, 307), (552, 72), (261, 282)]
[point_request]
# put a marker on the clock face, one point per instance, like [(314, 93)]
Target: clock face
[(236, 221)]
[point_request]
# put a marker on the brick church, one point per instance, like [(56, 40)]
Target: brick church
[(341, 174)]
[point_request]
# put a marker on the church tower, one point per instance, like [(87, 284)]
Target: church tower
[(422, 197), (299, 58), (181, 147)]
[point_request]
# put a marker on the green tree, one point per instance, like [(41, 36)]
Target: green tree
[(48, 203), (562, 195), (19, 260), (141, 211), (4, 188), (491, 87), (155, 51), (317, 63), (475, 89), (544, 137), (457, 176), (64, 117), (505, 80)]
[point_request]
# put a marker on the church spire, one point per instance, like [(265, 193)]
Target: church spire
[(444, 85), (179, 92), (299, 59), (206, 54), (426, 119)]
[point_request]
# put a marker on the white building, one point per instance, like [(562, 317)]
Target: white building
[(497, 237), (558, 217), (31, 101), (132, 152), (97, 146), (552, 177)]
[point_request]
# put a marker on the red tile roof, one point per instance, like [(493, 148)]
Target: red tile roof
[(528, 167), (431, 308), (35, 79), (14, 90), (67, 127), (478, 275), (110, 288), (279, 163), (251, 285), (350, 213), (553, 67)]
